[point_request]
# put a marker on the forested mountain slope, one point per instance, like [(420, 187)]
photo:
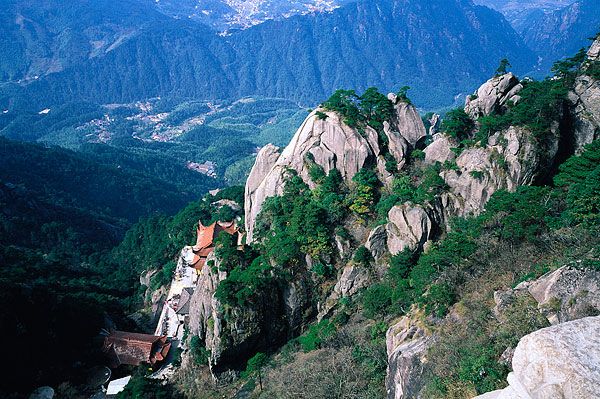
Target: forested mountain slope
[(66, 178), (562, 31), (380, 252), (387, 260), (70, 261), (551, 28), (97, 54)]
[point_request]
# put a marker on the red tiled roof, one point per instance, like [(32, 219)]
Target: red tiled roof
[(206, 239), (205, 252), (208, 234), (134, 349), (134, 337)]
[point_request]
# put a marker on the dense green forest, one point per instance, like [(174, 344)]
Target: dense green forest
[(68, 268), (65, 178), (66, 264)]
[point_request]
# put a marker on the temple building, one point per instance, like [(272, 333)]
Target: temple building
[(205, 242), (134, 349)]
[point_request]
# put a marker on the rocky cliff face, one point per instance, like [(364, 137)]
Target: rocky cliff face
[(511, 158), (471, 174), (232, 334), (494, 96), (406, 344), (566, 294), (556, 362), (329, 143), (409, 227), (586, 108)]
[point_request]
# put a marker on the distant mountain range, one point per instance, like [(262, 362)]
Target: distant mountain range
[(562, 31), (102, 51), (551, 28), (512, 8), (55, 52)]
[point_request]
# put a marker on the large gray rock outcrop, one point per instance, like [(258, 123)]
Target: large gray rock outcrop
[(407, 345), (351, 281), (566, 294), (409, 227), (203, 305), (511, 159), (407, 121), (225, 336), (440, 150), (330, 144), (298, 305), (594, 51), (561, 361), (398, 145), (493, 96), (435, 123), (234, 332), (265, 161), (585, 100), (377, 242)]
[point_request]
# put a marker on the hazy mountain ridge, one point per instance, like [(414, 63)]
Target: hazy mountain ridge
[(563, 31), (551, 28), (353, 267), (435, 47)]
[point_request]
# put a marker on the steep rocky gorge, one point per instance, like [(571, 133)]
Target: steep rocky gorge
[(471, 173)]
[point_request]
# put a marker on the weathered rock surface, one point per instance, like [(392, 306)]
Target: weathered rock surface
[(398, 145), (203, 305), (265, 160), (233, 334), (585, 100), (440, 150), (225, 337), (586, 110), (157, 301), (146, 277), (594, 51), (330, 144), (353, 279), (561, 361), (377, 242), (566, 294), (297, 299), (435, 123), (409, 227), (407, 345), (494, 95), (343, 247), (510, 160), (585, 105), (407, 121)]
